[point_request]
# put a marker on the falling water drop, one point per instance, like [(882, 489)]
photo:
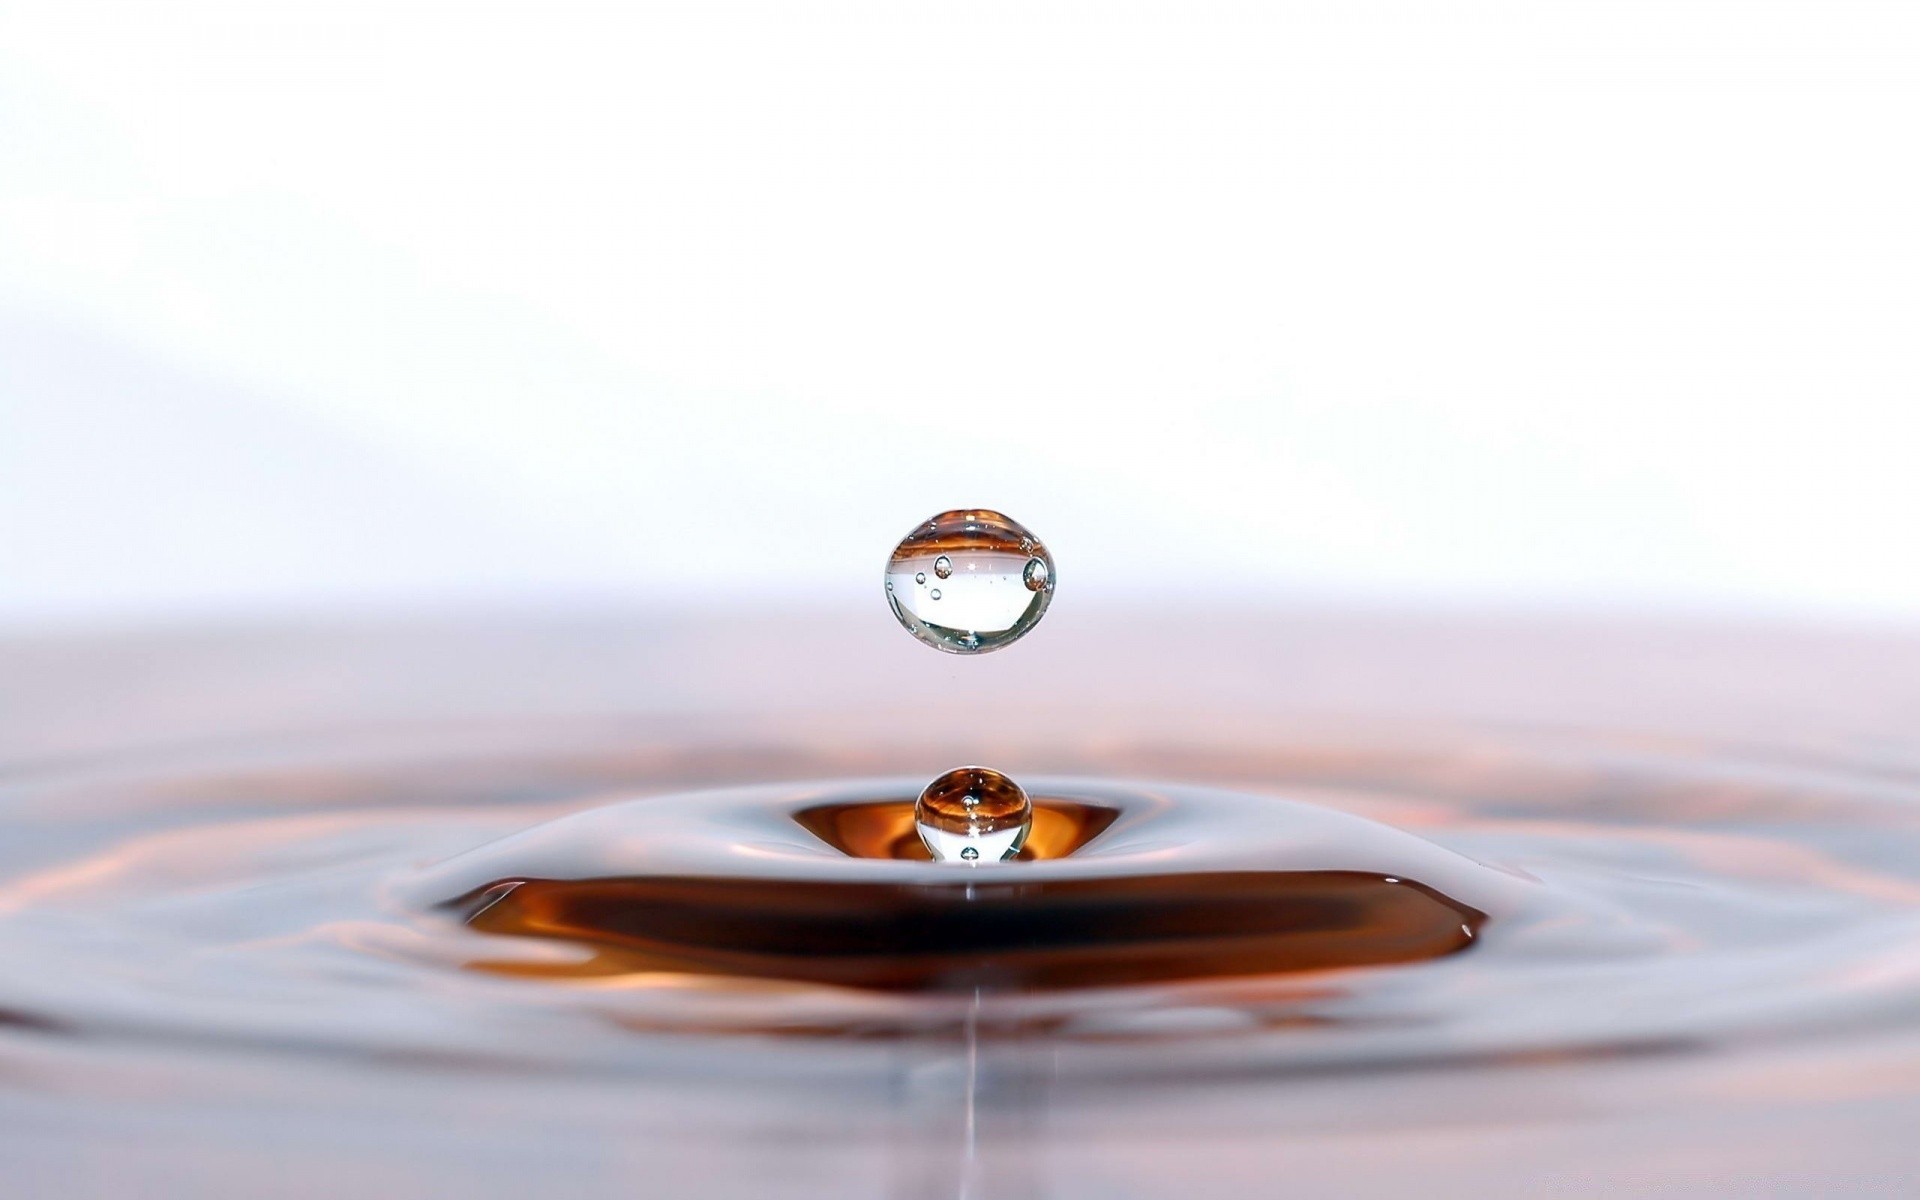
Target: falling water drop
[(981, 556), (973, 815)]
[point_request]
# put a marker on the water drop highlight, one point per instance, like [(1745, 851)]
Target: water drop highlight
[(998, 580)]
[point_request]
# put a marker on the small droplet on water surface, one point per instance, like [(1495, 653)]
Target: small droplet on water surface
[(998, 577), (973, 814)]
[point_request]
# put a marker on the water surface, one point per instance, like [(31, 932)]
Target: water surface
[(301, 913)]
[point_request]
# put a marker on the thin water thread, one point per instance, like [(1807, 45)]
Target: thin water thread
[(970, 1162)]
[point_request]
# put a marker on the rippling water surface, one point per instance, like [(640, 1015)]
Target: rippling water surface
[(325, 913)]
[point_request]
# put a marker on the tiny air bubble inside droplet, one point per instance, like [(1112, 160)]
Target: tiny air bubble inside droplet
[(1034, 575), (973, 814), (995, 581)]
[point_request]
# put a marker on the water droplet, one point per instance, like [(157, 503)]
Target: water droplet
[(979, 554), (973, 814), (1034, 575)]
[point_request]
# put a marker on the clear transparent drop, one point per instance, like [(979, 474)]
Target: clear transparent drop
[(973, 815), (998, 581)]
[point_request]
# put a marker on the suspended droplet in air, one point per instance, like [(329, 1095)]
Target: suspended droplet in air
[(996, 581)]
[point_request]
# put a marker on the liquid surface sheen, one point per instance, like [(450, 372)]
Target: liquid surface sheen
[(484, 942)]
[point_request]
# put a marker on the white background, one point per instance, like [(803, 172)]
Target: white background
[(320, 304)]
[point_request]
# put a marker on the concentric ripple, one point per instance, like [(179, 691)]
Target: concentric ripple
[(1335, 911)]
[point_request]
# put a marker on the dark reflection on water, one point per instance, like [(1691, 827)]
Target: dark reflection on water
[(1135, 917), (1122, 886), (1083, 933)]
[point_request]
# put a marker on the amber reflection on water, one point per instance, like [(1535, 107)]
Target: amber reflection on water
[(885, 829), (962, 936)]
